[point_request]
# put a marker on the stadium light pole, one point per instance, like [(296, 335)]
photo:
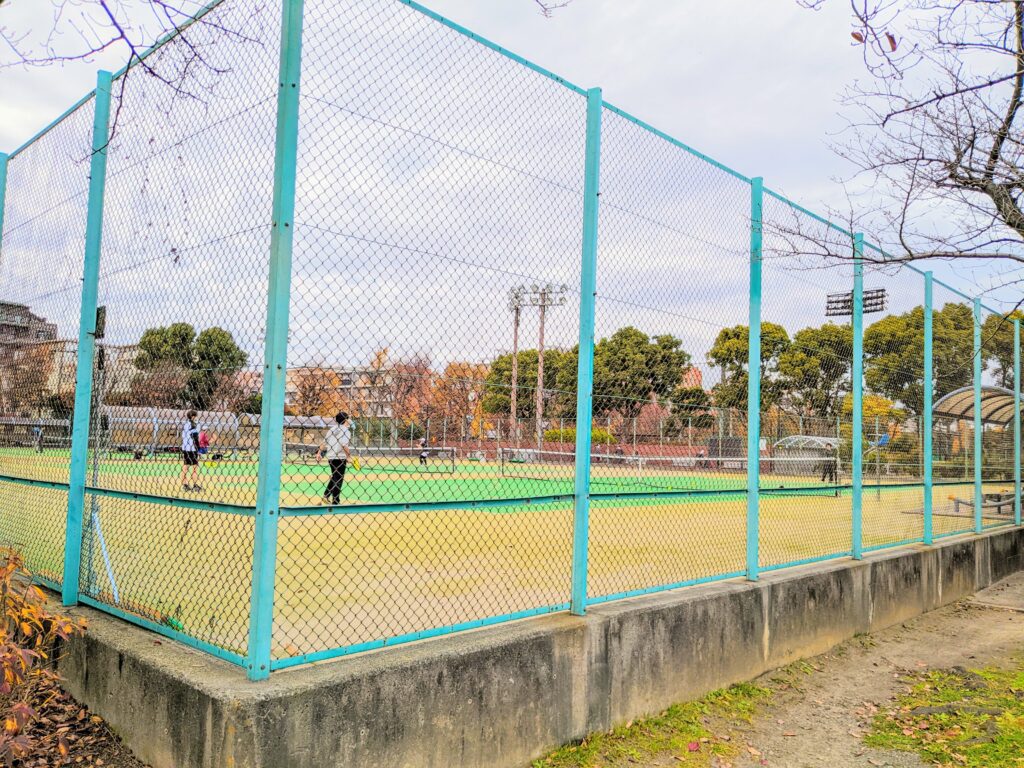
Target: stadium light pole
[(547, 296), (542, 297), (515, 303)]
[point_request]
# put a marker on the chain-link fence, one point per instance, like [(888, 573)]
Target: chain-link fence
[(413, 336)]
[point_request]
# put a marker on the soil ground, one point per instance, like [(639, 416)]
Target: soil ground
[(820, 709)]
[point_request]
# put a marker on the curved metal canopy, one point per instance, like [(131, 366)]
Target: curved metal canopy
[(808, 441), (996, 405)]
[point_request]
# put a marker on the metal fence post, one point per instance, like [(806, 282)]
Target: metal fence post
[(926, 427), (978, 496), (268, 490), (86, 340), (3, 194), (754, 378), (1016, 421), (585, 370), (857, 455)]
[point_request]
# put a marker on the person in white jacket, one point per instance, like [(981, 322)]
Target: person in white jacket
[(190, 453), (336, 448)]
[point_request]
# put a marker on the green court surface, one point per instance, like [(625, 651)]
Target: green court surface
[(345, 577)]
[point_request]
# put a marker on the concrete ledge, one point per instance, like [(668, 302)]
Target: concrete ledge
[(504, 695)]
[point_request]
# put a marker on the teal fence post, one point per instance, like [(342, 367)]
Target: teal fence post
[(926, 427), (857, 447), (754, 378), (3, 194), (585, 368), (268, 488), (82, 413), (978, 496), (1016, 422)]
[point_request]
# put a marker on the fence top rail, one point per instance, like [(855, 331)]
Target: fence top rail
[(821, 219), (937, 281), (492, 45), (52, 124), (676, 142)]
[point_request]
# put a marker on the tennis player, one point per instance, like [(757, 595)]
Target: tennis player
[(336, 447), (190, 453)]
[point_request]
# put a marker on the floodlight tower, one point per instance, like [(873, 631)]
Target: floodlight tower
[(516, 299), (541, 296)]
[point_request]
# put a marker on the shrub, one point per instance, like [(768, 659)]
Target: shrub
[(568, 435), (29, 634)]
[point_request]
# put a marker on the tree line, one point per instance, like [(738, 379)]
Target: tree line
[(808, 373)]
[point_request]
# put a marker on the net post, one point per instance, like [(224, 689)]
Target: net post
[(268, 490), (754, 378), (86, 341), (1016, 421), (585, 368), (978, 496), (927, 427), (857, 447)]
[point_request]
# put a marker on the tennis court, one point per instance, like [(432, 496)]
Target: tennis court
[(348, 580), (492, 271)]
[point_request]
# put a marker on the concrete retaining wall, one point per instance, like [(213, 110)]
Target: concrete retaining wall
[(502, 696)]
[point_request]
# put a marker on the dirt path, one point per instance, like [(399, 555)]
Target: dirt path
[(819, 710)]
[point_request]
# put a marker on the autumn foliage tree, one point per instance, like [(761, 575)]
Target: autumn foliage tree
[(317, 392), (29, 634), (458, 391)]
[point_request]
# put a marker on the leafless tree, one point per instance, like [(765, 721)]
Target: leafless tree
[(79, 30), (935, 133)]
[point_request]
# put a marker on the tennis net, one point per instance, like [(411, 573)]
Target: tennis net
[(431, 460), (673, 473)]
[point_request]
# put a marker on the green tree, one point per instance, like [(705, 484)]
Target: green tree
[(251, 404), (894, 354), (689, 407), (730, 352), (815, 369), (997, 344), (498, 384), (630, 368), (199, 364), (170, 344)]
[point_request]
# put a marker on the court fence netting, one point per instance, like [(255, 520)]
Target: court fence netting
[(539, 313)]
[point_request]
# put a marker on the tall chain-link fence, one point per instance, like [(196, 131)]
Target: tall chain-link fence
[(413, 336)]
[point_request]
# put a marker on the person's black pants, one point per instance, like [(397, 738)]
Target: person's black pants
[(333, 491)]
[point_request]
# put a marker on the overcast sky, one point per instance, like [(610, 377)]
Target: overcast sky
[(752, 83)]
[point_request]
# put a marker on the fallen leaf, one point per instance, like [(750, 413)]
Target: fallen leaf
[(693, 746)]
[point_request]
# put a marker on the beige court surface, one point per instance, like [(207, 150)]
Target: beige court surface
[(345, 578)]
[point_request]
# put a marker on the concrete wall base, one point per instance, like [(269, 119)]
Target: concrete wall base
[(505, 695)]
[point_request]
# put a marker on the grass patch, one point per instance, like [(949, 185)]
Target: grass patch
[(958, 717), (683, 731)]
